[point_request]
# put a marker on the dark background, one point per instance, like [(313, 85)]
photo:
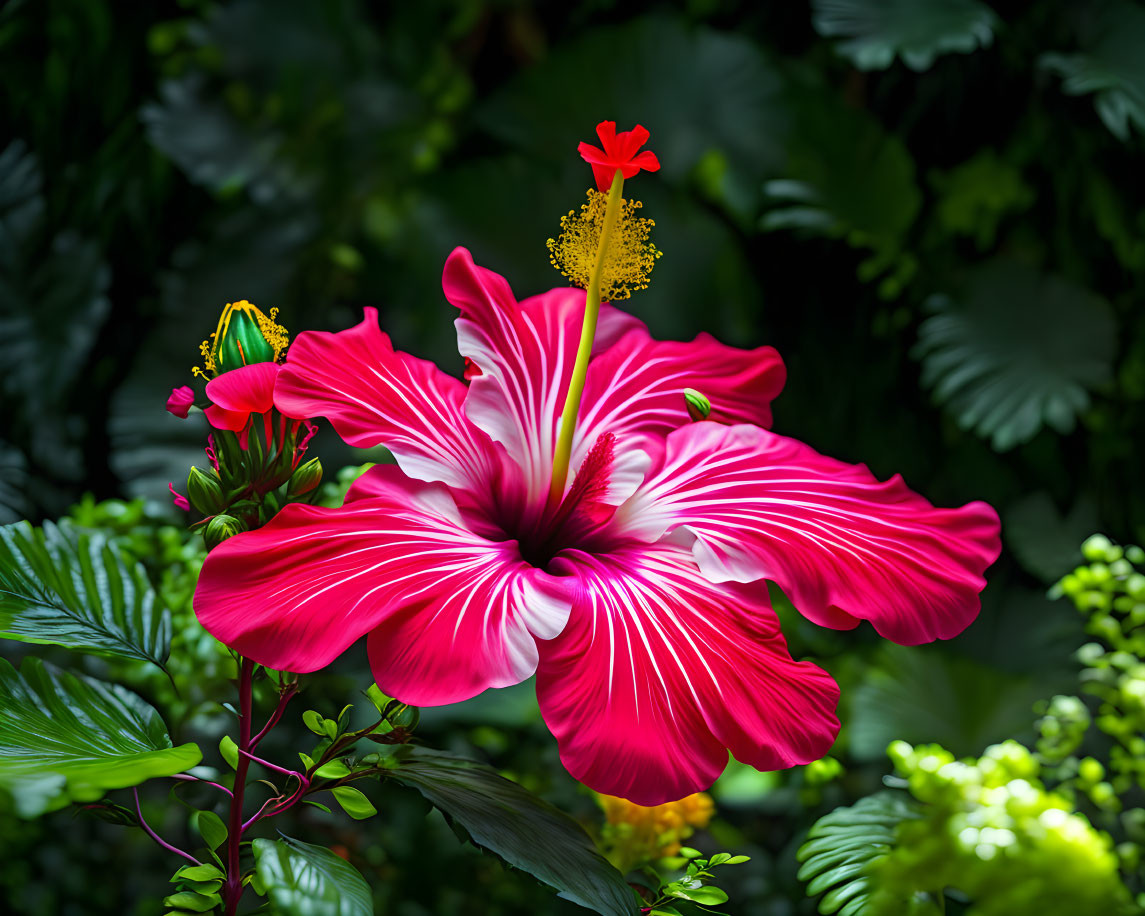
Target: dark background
[(937, 215)]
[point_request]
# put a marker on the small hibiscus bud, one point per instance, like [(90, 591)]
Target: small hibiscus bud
[(305, 479), (699, 407), (220, 528), (180, 401), (205, 492), (244, 336)]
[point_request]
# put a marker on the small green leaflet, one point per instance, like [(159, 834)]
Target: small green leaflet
[(66, 737), (305, 880), (63, 586)]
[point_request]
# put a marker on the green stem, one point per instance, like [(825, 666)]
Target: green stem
[(563, 452)]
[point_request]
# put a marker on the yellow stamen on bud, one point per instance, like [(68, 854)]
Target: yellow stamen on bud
[(244, 335), (628, 260)]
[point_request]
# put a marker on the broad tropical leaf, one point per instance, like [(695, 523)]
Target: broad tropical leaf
[(922, 695), (1015, 351), (842, 846), (522, 829), (847, 178), (63, 586), (305, 880), (1043, 540), (916, 30), (67, 737), (1110, 65)]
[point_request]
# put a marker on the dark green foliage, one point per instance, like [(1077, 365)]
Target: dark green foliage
[(1110, 64), (525, 831), (306, 880), (63, 586), (916, 30), (1017, 350), (67, 738)]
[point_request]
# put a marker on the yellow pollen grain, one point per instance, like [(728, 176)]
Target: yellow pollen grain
[(630, 257)]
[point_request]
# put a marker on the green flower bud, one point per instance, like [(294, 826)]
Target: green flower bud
[(205, 491), (699, 407), (305, 479), (244, 336), (220, 528)]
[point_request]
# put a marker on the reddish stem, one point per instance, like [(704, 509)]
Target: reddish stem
[(233, 889), (158, 839), (275, 716)]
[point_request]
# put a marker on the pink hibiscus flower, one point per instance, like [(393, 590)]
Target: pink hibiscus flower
[(639, 596)]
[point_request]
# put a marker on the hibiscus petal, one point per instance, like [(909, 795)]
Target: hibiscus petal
[(247, 389), (843, 546), (635, 390), (659, 672), (452, 613), (525, 353), (375, 395)]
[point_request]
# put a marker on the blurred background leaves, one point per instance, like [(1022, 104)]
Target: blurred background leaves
[(932, 209)]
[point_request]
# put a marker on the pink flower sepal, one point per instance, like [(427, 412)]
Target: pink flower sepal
[(180, 401)]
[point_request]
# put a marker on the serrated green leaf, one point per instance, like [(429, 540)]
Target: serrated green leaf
[(918, 31), (353, 802), (68, 737), (304, 880), (1109, 65), (1015, 351), (524, 830), (63, 586)]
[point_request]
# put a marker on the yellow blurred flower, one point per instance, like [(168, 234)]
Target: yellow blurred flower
[(635, 834)]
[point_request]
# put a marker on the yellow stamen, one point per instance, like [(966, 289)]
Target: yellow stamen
[(630, 256), (563, 451)]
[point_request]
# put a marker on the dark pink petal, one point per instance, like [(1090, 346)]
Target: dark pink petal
[(452, 612), (524, 353), (233, 420), (659, 673), (180, 501), (635, 389), (180, 401), (374, 395), (843, 546), (248, 389)]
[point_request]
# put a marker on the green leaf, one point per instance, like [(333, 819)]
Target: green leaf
[(706, 895), (1016, 350), (842, 846), (66, 587), (353, 802), (1044, 541), (68, 737), (314, 721), (335, 769), (211, 828), (846, 178), (916, 30), (189, 900), (305, 880), (920, 694), (199, 873), (1110, 64), (229, 751), (524, 830)]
